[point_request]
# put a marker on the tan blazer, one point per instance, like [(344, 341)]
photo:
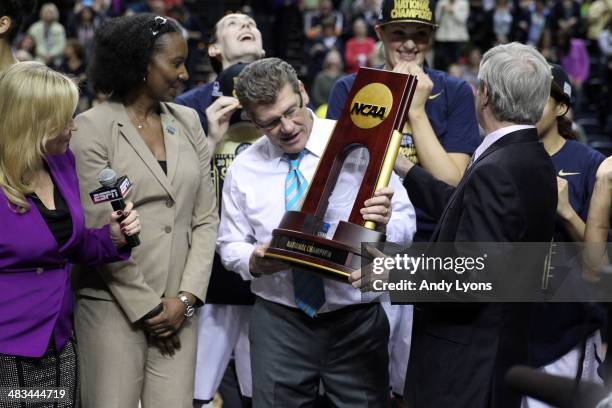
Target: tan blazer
[(178, 211)]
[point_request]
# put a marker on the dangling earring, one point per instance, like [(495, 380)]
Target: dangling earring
[(144, 79)]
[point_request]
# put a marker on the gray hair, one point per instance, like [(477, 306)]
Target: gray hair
[(51, 8), (261, 81), (517, 78)]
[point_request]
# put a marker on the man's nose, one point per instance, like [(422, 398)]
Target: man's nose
[(286, 125)]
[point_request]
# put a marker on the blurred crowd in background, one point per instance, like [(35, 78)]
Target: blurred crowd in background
[(323, 39)]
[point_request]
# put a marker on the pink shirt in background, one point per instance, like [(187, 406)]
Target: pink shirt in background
[(357, 52), (576, 62)]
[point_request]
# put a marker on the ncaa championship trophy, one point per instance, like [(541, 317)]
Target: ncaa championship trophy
[(376, 110)]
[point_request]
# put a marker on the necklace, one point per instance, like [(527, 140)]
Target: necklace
[(139, 124)]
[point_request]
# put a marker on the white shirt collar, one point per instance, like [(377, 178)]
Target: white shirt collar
[(495, 136)]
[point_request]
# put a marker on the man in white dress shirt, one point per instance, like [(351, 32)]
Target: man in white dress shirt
[(342, 341)]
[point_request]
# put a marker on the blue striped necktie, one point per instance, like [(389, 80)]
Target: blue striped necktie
[(308, 288)]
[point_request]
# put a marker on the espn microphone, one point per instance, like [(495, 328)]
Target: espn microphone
[(553, 390), (114, 189)]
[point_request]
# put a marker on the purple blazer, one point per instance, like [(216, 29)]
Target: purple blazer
[(35, 296)]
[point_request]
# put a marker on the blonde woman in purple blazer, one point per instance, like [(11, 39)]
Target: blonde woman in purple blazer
[(42, 231)]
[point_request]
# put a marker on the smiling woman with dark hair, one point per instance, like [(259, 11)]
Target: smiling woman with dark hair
[(137, 317), (124, 49)]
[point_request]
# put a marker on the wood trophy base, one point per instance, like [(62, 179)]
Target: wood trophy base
[(334, 259)]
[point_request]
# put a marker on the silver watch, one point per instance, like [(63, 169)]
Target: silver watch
[(189, 309)]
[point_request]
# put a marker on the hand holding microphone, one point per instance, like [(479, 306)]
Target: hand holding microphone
[(124, 223)]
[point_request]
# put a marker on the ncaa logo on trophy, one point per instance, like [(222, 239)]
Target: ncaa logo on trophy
[(326, 234), (371, 114)]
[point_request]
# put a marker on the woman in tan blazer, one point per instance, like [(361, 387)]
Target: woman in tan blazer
[(134, 320)]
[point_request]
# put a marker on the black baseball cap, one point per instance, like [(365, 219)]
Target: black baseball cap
[(561, 86), (406, 11), (227, 77), (224, 86)]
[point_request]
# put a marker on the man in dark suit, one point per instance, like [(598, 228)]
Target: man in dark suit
[(461, 352)]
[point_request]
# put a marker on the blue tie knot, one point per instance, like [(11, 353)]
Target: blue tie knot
[(294, 159)]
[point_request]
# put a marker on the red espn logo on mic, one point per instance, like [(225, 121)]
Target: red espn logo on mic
[(117, 192)]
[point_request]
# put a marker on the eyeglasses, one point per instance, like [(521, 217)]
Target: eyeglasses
[(289, 114), (158, 23)]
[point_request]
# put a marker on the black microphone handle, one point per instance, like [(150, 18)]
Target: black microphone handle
[(132, 240)]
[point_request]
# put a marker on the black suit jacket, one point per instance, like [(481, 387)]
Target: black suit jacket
[(461, 352)]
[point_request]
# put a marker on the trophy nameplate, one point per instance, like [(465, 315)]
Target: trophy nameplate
[(375, 112)]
